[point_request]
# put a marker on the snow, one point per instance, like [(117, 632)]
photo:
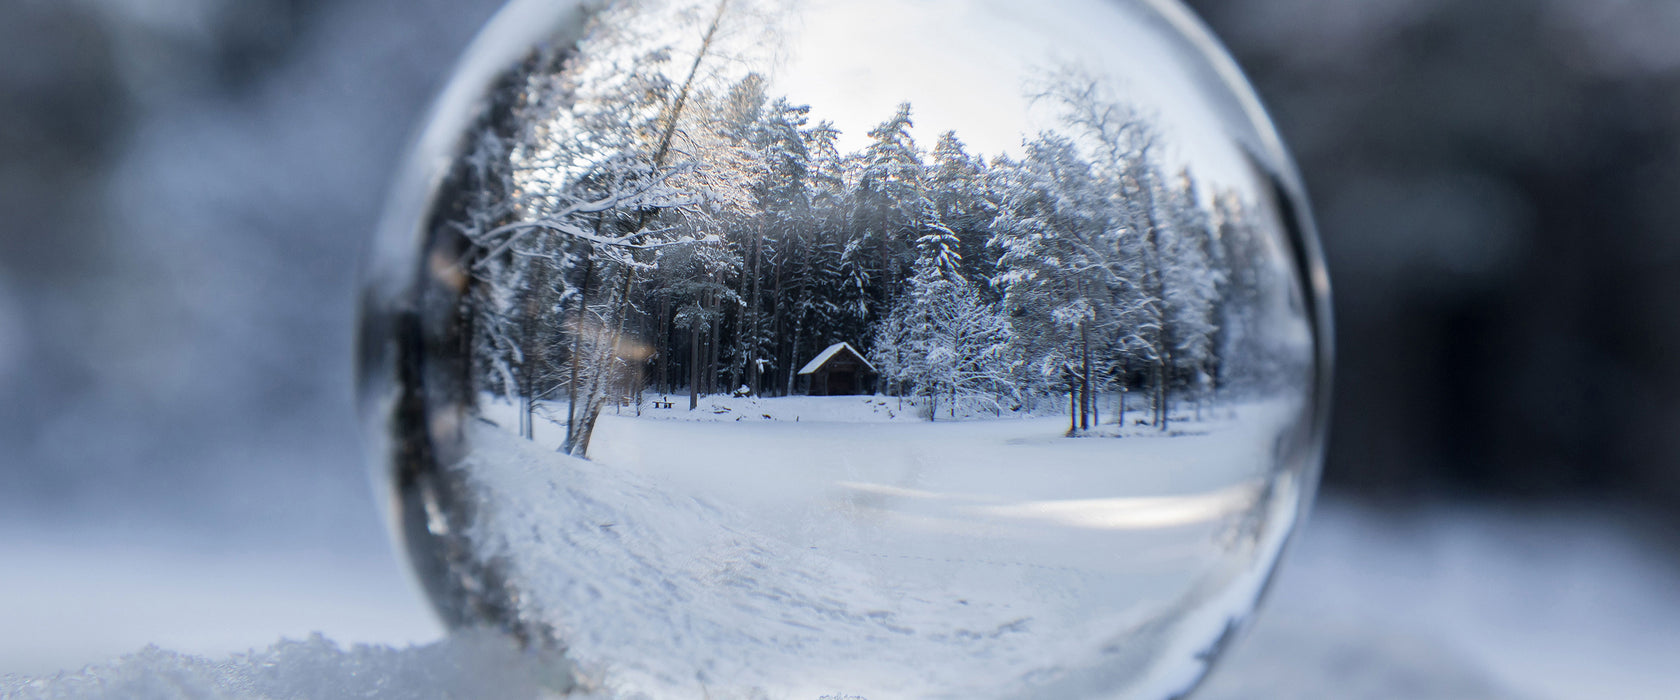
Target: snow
[(476, 665), (1451, 601), (67, 601), (829, 353), (1283, 661), (1547, 602), (1445, 601), (729, 550)]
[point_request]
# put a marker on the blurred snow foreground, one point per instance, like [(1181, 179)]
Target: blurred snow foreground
[(473, 665), (1278, 661)]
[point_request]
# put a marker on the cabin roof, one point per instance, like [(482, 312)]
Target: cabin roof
[(822, 358)]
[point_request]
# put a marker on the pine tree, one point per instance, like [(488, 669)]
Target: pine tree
[(957, 189), (940, 341), (1192, 286), (1064, 273), (892, 201)]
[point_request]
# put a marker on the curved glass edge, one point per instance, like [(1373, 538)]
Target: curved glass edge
[(391, 264), (1271, 158)]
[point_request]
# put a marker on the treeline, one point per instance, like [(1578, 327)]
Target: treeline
[(630, 221)]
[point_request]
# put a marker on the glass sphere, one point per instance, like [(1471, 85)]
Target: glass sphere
[(848, 348)]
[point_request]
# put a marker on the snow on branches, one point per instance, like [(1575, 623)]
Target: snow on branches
[(643, 214)]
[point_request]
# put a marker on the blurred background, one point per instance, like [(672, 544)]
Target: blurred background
[(185, 186)]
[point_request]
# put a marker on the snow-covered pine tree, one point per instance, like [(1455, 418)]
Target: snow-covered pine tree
[(1063, 272), (891, 200), (957, 189), (596, 192), (783, 209), (940, 251), (940, 341), (1124, 147), (1192, 285), (1244, 362), (829, 299)]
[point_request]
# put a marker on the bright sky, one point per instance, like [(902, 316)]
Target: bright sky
[(964, 64)]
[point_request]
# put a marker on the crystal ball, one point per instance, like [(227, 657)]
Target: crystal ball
[(847, 349)]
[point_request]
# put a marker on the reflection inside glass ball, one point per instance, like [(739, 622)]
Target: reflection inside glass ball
[(776, 349)]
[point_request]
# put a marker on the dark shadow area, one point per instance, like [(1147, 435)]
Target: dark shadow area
[(1495, 186)]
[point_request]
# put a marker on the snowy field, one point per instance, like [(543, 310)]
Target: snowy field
[(840, 542), (1448, 602), (1445, 602)]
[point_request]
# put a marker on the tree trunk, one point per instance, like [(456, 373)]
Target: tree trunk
[(713, 346), (687, 86), (1073, 402), (669, 132), (751, 357), (530, 349), (743, 308), (1125, 384), (693, 366), (776, 320), (1201, 387), (577, 346), (663, 332), (1166, 376), (1157, 289), (600, 380), (793, 357), (1085, 377), (1158, 387), (638, 386)]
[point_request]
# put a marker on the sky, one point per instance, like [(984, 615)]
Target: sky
[(965, 65)]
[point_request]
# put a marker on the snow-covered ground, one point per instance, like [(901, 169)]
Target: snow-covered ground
[(69, 598), (1452, 601), (670, 557), (1547, 602), (796, 547)]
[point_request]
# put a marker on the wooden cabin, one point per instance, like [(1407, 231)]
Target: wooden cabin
[(839, 370)]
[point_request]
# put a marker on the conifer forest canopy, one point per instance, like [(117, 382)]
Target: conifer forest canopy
[(639, 221), (699, 336)]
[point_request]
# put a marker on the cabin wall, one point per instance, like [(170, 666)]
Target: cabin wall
[(843, 375)]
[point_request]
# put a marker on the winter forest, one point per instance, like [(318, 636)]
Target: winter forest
[(640, 217)]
